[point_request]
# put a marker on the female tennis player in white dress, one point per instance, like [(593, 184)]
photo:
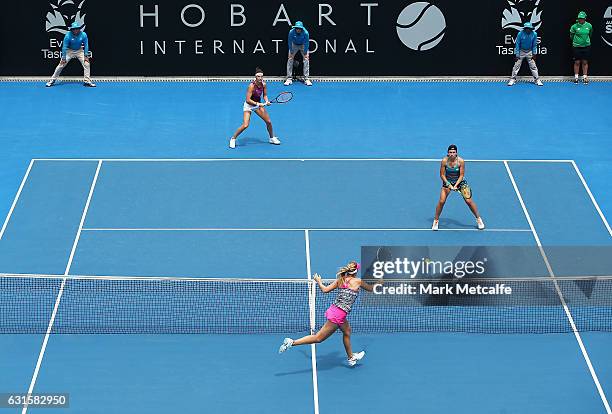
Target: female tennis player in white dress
[(253, 103)]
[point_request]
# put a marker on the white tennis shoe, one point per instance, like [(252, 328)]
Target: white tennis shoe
[(480, 223), (352, 361), (434, 226), (274, 140), (511, 82), (287, 343), (288, 82), (232, 143), (307, 82), (539, 82)]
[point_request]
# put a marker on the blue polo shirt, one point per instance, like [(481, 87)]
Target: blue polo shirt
[(299, 39), (526, 41), (75, 42)]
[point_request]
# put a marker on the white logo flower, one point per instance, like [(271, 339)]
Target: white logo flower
[(521, 11), (62, 14)]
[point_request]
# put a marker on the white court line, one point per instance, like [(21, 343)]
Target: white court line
[(565, 308), (311, 303), (280, 159), (588, 190), (61, 290), (10, 213), (307, 240), (205, 229)]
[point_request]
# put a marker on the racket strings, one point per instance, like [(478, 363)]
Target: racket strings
[(283, 97)]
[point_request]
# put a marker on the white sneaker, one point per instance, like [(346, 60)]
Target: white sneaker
[(274, 140), (352, 361), (288, 82), (232, 143), (434, 226), (89, 84), (307, 82), (511, 82), (287, 343), (50, 83), (539, 82), (480, 223)]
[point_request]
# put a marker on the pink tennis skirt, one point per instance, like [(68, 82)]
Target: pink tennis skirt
[(335, 315)]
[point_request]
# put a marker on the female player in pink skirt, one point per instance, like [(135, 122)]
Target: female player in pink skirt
[(348, 285)]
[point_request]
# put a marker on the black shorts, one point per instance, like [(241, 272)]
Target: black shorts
[(453, 182), (582, 53)]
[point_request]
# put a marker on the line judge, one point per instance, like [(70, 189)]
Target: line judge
[(298, 42), (75, 45)]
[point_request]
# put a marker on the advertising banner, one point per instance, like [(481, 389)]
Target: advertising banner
[(347, 37)]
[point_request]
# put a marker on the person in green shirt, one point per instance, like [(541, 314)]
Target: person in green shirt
[(580, 33)]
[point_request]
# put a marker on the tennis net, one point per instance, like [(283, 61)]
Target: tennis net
[(124, 305)]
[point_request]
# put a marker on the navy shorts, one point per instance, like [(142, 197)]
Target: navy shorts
[(582, 53)]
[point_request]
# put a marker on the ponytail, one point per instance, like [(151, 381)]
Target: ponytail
[(351, 269)]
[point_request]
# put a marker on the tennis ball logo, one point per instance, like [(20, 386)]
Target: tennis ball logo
[(420, 26)]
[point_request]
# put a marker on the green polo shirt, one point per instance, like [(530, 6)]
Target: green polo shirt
[(581, 34)]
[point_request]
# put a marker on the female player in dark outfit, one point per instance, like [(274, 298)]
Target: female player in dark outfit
[(348, 285), (452, 171), (255, 92)]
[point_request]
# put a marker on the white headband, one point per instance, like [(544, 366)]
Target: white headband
[(259, 73)]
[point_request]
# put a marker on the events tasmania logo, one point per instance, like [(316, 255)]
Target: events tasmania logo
[(60, 15), (521, 11), (515, 14)]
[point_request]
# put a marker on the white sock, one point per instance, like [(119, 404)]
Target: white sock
[(576, 76)]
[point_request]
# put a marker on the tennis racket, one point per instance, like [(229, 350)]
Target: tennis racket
[(384, 254), (282, 97), (465, 190)]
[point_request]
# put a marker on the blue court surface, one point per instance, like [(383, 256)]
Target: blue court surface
[(159, 198)]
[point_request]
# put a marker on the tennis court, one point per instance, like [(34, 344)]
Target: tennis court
[(158, 256), (277, 218)]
